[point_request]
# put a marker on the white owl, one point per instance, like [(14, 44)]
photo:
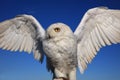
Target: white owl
[(65, 50)]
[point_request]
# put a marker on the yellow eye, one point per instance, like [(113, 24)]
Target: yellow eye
[(57, 29)]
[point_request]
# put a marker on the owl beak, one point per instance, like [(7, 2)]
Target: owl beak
[(48, 36)]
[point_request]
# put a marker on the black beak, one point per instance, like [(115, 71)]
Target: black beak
[(48, 36)]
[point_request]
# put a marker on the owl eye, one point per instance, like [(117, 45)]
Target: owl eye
[(57, 29)]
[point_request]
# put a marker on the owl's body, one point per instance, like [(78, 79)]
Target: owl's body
[(64, 49), (61, 52)]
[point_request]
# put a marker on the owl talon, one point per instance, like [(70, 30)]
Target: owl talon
[(60, 78)]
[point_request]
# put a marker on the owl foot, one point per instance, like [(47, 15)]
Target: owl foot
[(61, 78), (58, 79)]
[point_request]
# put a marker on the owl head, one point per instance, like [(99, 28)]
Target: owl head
[(58, 30)]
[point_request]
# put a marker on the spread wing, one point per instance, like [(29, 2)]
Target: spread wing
[(22, 33), (99, 27)]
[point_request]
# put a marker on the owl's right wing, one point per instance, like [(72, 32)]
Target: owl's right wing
[(22, 33), (99, 27)]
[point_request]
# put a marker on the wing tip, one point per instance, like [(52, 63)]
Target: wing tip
[(103, 7)]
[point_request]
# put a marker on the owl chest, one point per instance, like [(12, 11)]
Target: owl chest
[(59, 49)]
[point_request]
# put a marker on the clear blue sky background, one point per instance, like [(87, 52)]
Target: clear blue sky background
[(22, 66)]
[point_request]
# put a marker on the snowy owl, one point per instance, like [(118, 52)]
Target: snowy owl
[(65, 50)]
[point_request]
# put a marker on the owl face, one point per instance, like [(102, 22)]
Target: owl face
[(57, 30)]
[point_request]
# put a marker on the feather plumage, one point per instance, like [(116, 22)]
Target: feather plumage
[(19, 33), (99, 27)]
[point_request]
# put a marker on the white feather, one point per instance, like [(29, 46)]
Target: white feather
[(103, 27), (20, 33)]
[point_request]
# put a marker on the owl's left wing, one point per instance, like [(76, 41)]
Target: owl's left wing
[(99, 27), (22, 33)]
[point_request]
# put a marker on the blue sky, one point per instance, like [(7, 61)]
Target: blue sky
[(22, 66)]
